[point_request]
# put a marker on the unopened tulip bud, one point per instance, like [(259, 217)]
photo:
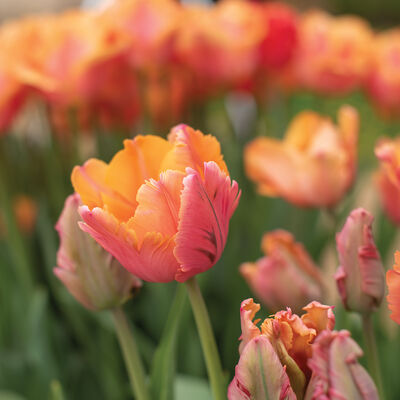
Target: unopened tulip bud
[(336, 371), (91, 275), (285, 261), (360, 276)]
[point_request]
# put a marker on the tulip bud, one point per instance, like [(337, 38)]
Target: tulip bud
[(285, 261), (360, 277), (336, 371), (387, 178), (91, 275), (260, 374)]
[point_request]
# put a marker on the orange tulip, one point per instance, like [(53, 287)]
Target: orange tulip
[(290, 337), (229, 34), (160, 207), (333, 55), (393, 282), (296, 333), (388, 177), (74, 60), (313, 166), (285, 261), (148, 26), (383, 83)]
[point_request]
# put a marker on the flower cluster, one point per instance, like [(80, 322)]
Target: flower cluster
[(292, 357), (159, 52)]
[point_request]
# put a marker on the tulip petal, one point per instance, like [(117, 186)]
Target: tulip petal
[(206, 207), (336, 372), (259, 374), (89, 182), (393, 282), (74, 285), (318, 316), (192, 149), (250, 330), (158, 205), (153, 261)]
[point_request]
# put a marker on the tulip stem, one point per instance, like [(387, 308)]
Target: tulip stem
[(131, 355), (372, 353), (207, 339)]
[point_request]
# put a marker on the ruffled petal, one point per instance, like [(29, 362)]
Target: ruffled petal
[(158, 205), (250, 330), (207, 205), (153, 261), (192, 149)]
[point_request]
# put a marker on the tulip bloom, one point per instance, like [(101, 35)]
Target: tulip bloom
[(290, 357), (313, 166), (336, 371), (90, 274), (160, 207), (360, 277), (333, 54), (388, 177), (383, 83), (393, 282), (285, 261), (283, 344), (229, 34)]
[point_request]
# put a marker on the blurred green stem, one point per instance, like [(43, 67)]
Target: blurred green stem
[(207, 339), (131, 355), (371, 351)]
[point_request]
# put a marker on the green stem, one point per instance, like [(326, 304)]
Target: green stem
[(207, 339), (131, 355), (372, 353)]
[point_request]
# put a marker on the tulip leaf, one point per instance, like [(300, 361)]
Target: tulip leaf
[(162, 375), (6, 395)]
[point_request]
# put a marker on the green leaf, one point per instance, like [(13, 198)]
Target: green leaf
[(188, 387), (6, 395), (164, 362)]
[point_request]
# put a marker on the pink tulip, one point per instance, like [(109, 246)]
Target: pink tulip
[(337, 375), (90, 274), (360, 277), (285, 261)]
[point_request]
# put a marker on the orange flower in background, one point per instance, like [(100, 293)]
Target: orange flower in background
[(383, 83), (12, 98), (160, 207), (149, 26), (73, 61), (393, 283), (285, 261), (218, 45), (313, 166), (25, 210), (333, 54), (388, 177)]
